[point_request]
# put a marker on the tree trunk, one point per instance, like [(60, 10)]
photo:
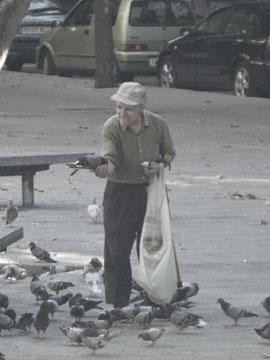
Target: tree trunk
[(11, 14), (105, 73)]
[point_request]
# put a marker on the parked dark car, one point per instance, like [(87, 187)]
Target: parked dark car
[(229, 49), (42, 14)]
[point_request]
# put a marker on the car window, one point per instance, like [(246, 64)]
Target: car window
[(81, 16), (244, 21), (214, 25), (62, 6), (160, 13)]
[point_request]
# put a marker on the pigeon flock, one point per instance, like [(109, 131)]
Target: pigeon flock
[(89, 323)]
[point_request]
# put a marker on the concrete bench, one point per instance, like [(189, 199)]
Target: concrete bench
[(27, 165), (10, 238)]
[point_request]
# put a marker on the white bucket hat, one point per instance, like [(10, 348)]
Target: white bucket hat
[(130, 93)]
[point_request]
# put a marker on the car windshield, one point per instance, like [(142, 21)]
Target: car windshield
[(51, 6), (161, 13)]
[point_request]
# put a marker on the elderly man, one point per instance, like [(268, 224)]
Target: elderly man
[(129, 138)]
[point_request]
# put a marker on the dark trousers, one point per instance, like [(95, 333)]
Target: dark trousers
[(124, 209)]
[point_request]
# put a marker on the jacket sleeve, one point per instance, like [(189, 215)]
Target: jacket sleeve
[(109, 145), (167, 150)]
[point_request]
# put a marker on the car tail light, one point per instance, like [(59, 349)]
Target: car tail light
[(133, 47)]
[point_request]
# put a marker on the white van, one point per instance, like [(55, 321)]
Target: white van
[(140, 28)]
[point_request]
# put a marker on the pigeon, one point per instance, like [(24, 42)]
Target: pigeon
[(53, 307), (152, 334), (58, 285), (183, 319), (187, 290), (77, 311), (93, 280), (40, 253), (106, 323), (94, 265), (42, 321), (2, 356), (90, 304), (11, 314), (14, 272), (144, 319), (165, 311), (72, 333), (234, 312), (75, 300), (24, 321), (84, 324), (264, 332), (11, 213), (6, 323), (93, 343), (62, 299), (4, 302), (94, 210), (38, 289), (266, 304), (128, 312), (87, 303)]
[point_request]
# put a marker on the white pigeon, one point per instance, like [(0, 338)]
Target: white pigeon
[(93, 280), (94, 210)]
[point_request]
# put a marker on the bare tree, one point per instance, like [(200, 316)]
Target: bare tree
[(106, 70), (11, 14)]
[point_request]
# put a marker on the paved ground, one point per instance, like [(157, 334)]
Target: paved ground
[(222, 145)]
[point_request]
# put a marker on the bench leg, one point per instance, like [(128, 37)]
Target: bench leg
[(28, 189)]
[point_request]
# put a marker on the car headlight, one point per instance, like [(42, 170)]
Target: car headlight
[(34, 29)]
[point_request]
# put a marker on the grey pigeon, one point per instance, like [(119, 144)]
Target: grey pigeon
[(42, 321), (165, 311), (77, 311), (53, 307), (24, 321), (187, 290), (144, 319), (93, 343), (183, 319), (11, 213), (234, 312), (266, 304), (152, 334), (58, 285), (264, 332), (6, 323), (4, 301), (38, 289), (14, 272), (72, 333), (62, 299), (40, 253), (11, 314)]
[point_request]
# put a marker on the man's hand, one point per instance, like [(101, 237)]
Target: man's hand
[(150, 168), (103, 171)]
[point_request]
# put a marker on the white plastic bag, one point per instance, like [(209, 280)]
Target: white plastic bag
[(157, 273)]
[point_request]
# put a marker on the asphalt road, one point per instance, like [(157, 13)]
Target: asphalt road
[(219, 190)]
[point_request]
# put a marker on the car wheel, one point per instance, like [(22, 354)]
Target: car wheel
[(47, 64), (14, 65), (242, 81), (167, 73)]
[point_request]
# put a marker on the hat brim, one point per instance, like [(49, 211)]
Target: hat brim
[(123, 100)]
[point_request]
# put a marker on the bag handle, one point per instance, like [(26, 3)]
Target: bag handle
[(179, 281)]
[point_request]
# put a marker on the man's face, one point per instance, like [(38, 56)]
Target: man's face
[(129, 115)]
